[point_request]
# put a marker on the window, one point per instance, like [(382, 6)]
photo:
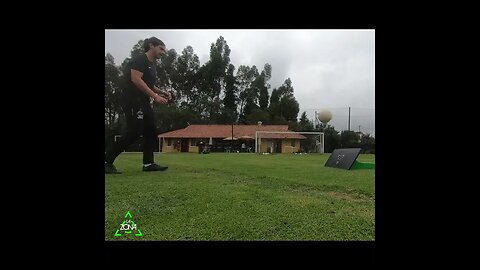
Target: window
[(293, 142)]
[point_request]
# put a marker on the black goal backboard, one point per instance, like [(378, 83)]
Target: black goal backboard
[(343, 158)]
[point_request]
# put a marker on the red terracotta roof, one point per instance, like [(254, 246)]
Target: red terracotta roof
[(224, 131)]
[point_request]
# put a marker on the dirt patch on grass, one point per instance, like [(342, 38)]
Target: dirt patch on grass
[(332, 192), (353, 197)]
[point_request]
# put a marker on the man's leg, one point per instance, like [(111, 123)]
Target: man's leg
[(149, 137), (133, 131), (149, 133)]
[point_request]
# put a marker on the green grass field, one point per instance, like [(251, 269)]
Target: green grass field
[(223, 196)]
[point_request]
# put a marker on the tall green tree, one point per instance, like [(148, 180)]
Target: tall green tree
[(243, 81), (166, 68), (112, 90), (283, 102), (289, 108), (248, 92), (305, 124), (275, 97), (263, 98), (216, 67), (212, 80), (286, 89), (230, 98), (184, 77), (266, 75)]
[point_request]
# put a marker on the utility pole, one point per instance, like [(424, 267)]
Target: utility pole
[(359, 135), (348, 118)]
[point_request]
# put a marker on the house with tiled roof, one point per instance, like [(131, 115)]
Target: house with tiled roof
[(226, 138)]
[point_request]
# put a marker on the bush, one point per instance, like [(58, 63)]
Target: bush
[(370, 151)]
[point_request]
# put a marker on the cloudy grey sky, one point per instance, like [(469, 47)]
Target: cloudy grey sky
[(329, 69)]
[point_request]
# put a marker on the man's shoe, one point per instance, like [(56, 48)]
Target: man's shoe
[(110, 169), (154, 167)]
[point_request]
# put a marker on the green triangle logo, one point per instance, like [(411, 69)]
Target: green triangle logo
[(128, 227)]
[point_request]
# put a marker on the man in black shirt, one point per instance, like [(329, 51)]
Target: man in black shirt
[(141, 77)]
